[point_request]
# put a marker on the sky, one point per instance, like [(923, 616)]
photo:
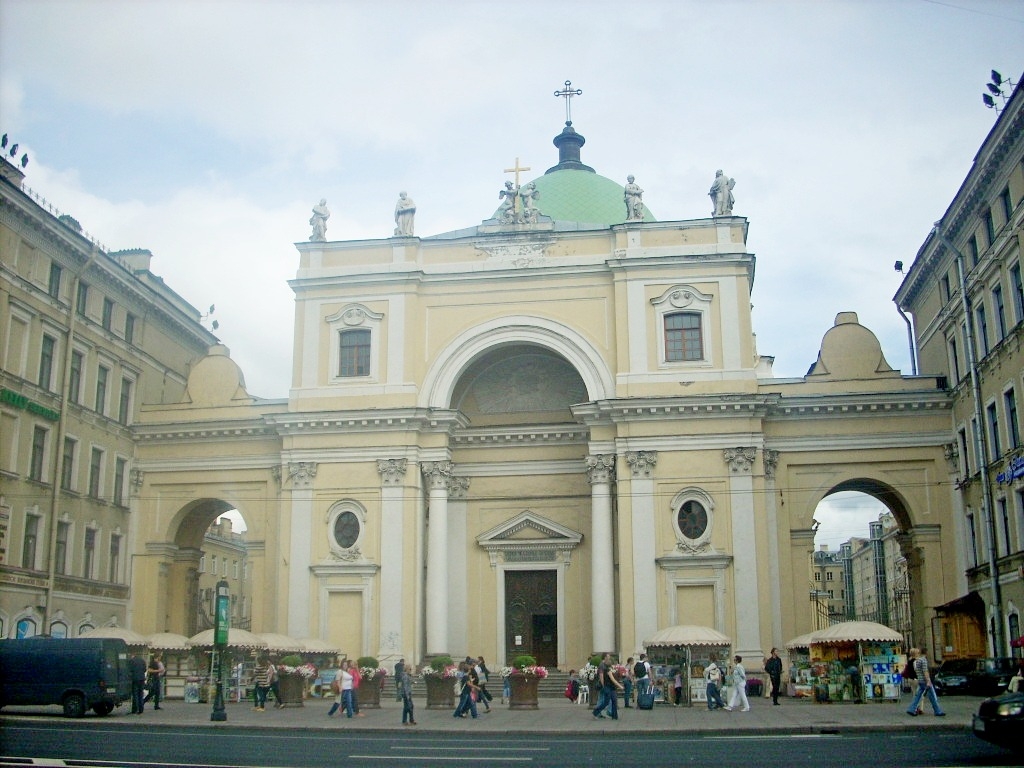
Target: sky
[(205, 131)]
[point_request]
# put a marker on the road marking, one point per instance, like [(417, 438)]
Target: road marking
[(474, 758), (480, 749)]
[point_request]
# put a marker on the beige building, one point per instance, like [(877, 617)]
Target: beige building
[(86, 337), (966, 295), (548, 432), (224, 558)]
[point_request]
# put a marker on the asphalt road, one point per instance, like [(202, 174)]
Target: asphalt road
[(273, 748)]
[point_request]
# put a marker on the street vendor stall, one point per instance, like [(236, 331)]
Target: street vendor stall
[(689, 648), (799, 684), (856, 661), (180, 678)]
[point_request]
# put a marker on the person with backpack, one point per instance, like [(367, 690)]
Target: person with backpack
[(642, 672), (713, 682)]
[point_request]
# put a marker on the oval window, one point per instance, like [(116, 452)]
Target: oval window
[(346, 529), (692, 519)]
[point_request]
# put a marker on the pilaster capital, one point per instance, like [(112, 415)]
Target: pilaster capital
[(301, 473), (458, 487), (641, 463), (740, 460), (771, 462), (392, 471)]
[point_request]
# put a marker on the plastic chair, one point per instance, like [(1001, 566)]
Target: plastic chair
[(583, 697)]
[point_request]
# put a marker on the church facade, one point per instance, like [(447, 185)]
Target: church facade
[(551, 432)]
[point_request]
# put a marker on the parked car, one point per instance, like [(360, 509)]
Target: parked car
[(78, 673), (981, 677), (1001, 721)]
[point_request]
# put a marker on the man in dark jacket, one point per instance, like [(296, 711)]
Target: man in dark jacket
[(137, 670)]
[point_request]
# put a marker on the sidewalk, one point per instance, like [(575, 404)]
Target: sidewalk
[(554, 715)]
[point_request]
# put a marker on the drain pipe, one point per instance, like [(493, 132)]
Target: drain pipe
[(910, 340), (981, 445)]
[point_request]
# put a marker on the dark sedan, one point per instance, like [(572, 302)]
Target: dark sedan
[(981, 677), (1001, 721)]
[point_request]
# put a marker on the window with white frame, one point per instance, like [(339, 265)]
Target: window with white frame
[(114, 560), (37, 457), (355, 349), (345, 525), (89, 553), (682, 314), (30, 541), (692, 518), (120, 471)]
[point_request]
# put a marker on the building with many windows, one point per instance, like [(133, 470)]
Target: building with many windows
[(224, 558), (966, 294), (86, 336)]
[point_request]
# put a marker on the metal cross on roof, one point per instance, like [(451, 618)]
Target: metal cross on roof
[(516, 170), (567, 93)]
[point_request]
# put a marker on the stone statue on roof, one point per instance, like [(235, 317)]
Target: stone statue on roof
[(405, 214), (634, 198), (507, 209), (528, 194), (319, 221), (721, 194)]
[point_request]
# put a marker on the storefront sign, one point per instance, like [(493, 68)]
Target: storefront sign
[(20, 401), (1013, 471)]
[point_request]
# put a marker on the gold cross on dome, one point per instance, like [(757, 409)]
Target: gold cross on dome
[(567, 93), (516, 170)]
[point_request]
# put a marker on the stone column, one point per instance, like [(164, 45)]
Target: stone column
[(747, 642), (392, 558), (436, 475), (771, 461), (600, 473), (301, 475), (645, 572), (458, 588)]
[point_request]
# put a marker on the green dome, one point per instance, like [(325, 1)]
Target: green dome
[(572, 191)]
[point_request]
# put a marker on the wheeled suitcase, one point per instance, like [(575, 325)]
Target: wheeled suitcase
[(645, 698)]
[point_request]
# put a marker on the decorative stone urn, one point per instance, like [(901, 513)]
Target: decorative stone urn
[(524, 691), (440, 692), (292, 688)]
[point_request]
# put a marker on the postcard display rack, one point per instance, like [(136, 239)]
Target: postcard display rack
[(855, 671)]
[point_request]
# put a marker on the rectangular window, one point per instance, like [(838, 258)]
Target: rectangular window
[(95, 472), (89, 560), (1012, 425), (828, 576), (82, 298), (1000, 310), (129, 327), (125, 402), (46, 352), (993, 430), (102, 374), (683, 337), (30, 542), (964, 455), (108, 313), (60, 552), (990, 226), (1004, 519), (75, 381), (234, 569), (35, 469), (1004, 199), (979, 313), (1018, 292), (972, 540), (972, 250), (114, 564), (202, 563), (120, 470), (53, 287), (954, 360), (67, 464), (944, 292), (355, 353)]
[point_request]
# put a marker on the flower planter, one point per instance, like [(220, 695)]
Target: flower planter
[(440, 692), (524, 692), (369, 692), (292, 688)]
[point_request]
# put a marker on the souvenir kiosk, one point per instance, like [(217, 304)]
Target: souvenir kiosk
[(180, 678), (856, 661), (689, 648), (241, 644), (799, 684)]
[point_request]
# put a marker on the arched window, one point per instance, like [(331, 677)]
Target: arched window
[(58, 629), (25, 628)]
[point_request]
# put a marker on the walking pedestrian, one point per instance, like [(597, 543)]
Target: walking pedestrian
[(773, 666), (405, 687), (712, 680), (609, 688), (739, 686), (924, 685)]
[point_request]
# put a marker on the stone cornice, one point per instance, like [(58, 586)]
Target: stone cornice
[(398, 419), (211, 430), (502, 437), (662, 408), (817, 406)]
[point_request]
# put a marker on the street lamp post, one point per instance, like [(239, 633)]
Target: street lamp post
[(222, 622)]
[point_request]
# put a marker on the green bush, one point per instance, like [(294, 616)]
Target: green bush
[(596, 659), (291, 660), (524, 661), (440, 663), (367, 661)]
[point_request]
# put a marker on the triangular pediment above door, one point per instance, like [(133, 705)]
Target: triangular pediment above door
[(529, 537)]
